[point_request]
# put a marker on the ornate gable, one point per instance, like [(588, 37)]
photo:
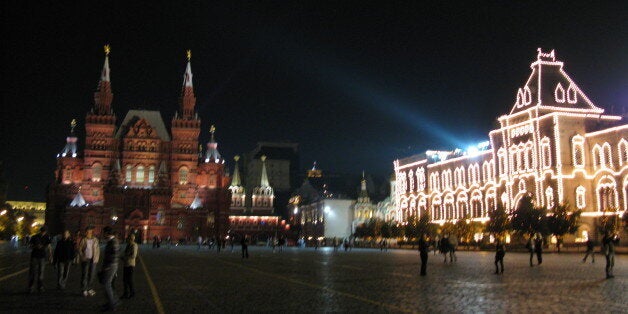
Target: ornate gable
[(549, 87)]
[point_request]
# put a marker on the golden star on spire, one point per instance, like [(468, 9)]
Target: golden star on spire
[(73, 124), (107, 49), (189, 54), (212, 129)]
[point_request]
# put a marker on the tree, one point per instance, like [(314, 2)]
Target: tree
[(608, 223), (499, 222), (396, 230), (412, 227), (528, 219), (386, 230), (561, 222)]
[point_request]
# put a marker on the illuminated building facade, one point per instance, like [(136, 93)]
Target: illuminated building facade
[(554, 144), (139, 176)]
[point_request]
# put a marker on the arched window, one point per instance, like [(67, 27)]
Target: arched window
[(129, 173), (501, 156), (463, 210), (522, 186), (420, 173), (580, 197), (486, 171), (505, 201), (608, 155), (597, 156), (139, 174), (151, 174), (476, 204), (436, 208), (160, 219), (546, 153), (607, 194), (559, 94), (577, 150), (411, 180), (549, 197), (183, 175), (422, 205), (490, 201), (67, 175), (449, 207), (622, 152), (96, 172), (572, 97)]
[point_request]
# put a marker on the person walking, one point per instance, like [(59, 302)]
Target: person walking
[(530, 247), (89, 254), (608, 247), (40, 255), (63, 258), (245, 246), (445, 247), (538, 248), (500, 252), (453, 246), (424, 248), (590, 251), (110, 268), (199, 242), (130, 255)]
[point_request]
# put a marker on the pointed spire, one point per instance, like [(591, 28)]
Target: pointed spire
[(70, 143), (187, 100), (212, 154), (363, 192), (235, 181), (196, 203), (264, 177), (103, 95)]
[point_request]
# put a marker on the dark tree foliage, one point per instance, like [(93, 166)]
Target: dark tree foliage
[(528, 219), (499, 222), (561, 222)]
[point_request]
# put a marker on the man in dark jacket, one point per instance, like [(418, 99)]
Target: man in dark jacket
[(245, 246), (110, 268), (424, 247), (538, 248), (41, 254), (63, 257)]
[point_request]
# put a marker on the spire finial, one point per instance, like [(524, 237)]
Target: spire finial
[(362, 174), (72, 125), (212, 130), (107, 50), (236, 158), (263, 158), (189, 54)]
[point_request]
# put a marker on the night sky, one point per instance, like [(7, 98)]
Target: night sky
[(356, 85)]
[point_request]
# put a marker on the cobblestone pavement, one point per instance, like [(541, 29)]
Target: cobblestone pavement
[(305, 280)]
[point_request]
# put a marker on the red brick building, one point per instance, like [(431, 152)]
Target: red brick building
[(138, 176)]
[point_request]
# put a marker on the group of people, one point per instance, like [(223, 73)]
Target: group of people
[(83, 250), (534, 245)]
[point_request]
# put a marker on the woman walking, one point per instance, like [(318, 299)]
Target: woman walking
[(63, 257), (500, 252)]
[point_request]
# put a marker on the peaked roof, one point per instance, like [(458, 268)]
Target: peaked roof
[(152, 117), (212, 154), (235, 179), (264, 176), (69, 150), (196, 203), (550, 87), (78, 200)]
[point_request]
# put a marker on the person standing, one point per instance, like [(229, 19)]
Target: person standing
[(500, 252), (538, 248), (453, 246), (199, 242), (445, 247), (110, 268), (89, 254), (424, 248), (63, 257), (41, 254), (245, 246), (590, 251), (530, 247), (130, 255), (608, 246)]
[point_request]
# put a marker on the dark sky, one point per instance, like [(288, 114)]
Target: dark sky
[(356, 84)]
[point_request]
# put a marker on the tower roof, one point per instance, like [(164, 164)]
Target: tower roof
[(70, 149), (264, 176), (549, 87), (196, 203), (235, 179), (78, 200), (103, 95), (212, 154), (187, 100), (363, 192)]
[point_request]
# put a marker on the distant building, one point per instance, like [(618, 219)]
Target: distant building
[(554, 145), (138, 176), (37, 209)]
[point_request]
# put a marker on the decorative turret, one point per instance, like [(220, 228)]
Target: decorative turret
[(212, 154), (70, 143), (263, 195), (238, 193), (364, 194), (187, 100), (103, 95)]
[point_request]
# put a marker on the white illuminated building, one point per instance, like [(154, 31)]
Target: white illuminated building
[(554, 144)]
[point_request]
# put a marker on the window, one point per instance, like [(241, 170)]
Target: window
[(577, 151), (597, 156), (580, 197), (139, 174), (572, 97), (96, 172), (67, 175), (476, 204), (622, 152), (501, 156), (607, 194), (151, 174), (505, 200), (607, 156), (546, 154), (411, 179), (559, 94), (420, 173), (183, 175), (180, 223), (128, 175)]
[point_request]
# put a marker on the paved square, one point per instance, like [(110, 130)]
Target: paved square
[(305, 280)]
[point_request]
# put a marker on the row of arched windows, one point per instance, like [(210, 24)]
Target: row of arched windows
[(138, 174), (603, 155)]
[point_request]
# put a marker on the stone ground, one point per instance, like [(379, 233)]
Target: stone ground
[(304, 280)]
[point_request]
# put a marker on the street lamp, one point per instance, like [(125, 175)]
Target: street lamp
[(3, 212), (19, 219)]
